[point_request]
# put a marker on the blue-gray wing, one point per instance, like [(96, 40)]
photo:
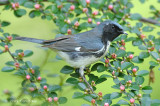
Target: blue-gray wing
[(83, 42)]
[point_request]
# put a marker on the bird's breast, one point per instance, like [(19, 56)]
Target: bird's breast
[(79, 59)]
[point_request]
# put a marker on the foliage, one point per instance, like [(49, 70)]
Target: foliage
[(74, 16)]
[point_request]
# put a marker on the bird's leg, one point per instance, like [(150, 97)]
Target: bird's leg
[(81, 72)]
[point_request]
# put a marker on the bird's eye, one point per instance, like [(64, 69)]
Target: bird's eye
[(113, 27)]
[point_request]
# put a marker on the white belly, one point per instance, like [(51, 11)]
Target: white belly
[(82, 61)]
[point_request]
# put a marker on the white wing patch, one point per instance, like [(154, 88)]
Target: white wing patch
[(77, 48)]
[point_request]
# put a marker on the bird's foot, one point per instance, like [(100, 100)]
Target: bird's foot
[(89, 86)]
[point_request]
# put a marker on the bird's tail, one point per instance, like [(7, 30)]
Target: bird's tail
[(34, 40)]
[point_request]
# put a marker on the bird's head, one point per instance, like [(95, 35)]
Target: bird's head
[(111, 30)]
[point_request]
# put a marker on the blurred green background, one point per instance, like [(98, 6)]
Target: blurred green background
[(38, 28)]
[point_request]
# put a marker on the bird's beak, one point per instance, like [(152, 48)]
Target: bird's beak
[(125, 33)]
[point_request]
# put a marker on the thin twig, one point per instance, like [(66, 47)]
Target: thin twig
[(12, 56)]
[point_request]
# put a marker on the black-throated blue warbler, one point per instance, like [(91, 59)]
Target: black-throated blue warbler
[(83, 49)]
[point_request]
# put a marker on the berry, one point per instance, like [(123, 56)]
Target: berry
[(113, 72), (85, 10), (122, 87), (28, 77), (140, 86), (122, 62), (134, 70), (16, 65), (122, 48), (129, 81), (131, 56), (45, 87), (88, 1), (17, 5), (31, 89), (107, 61), (93, 101), (142, 36), (9, 38), (106, 104), (6, 91), (100, 94), (6, 47), (114, 55), (59, 6), (49, 99), (139, 95), (110, 7), (72, 7), (76, 24), (68, 21), (69, 31), (89, 20), (98, 23), (95, 13), (13, 6), (32, 70), (37, 6), (55, 99), (39, 78), (132, 100)]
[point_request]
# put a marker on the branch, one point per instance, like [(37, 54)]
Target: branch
[(151, 21)]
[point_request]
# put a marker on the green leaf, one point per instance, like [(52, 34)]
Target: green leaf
[(143, 55), (139, 80), (126, 65), (83, 3), (147, 29), (154, 55), (155, 102), (122, 102), (82, 86), (105, 76), (20, 12), (78, 95), (100, 80), (87, 98), (120, 53), (95, 66), (142, 73), (153, 63), (67, 70), (53, 8), (117, 64), (54, 88), (101, 68), (112, 50), (28, 64), (135, 16), (115, 95), (147, 89), (10, 63), (142, 47), (62, 100), (8, 69), (136, 59), (142, 1), (134, 87), (137, 42), (29, 4), (72, 80), (85, 105), (28, 53), (5, 23)]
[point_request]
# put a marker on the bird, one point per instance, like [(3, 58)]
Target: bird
[(83, 49)]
